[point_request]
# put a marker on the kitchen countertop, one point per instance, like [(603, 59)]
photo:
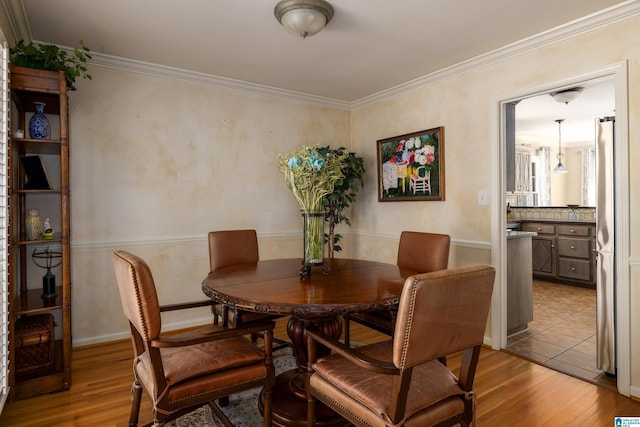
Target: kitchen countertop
[(556, 221), (512, 234)]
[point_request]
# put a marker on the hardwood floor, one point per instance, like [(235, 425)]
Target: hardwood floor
[(511, 391)]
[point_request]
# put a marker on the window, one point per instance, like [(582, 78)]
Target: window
[(588, 177)]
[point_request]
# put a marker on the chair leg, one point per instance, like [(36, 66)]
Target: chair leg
[(267, 408), (347, 332), (136, 397), (225, 316), (223, 402), (311, 410)]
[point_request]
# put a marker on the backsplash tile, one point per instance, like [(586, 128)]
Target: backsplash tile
[(553, 214)]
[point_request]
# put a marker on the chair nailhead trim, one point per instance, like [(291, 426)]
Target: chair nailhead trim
[(136, 286), (414, 289), (259, 381), (342, 407)]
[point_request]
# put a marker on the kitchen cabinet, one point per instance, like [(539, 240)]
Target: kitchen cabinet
[(543, 248), (564, 252), (576, 253), (523, 170), (39, 352), (520, 179)]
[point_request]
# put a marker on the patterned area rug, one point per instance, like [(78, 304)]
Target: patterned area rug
[(243, 407)]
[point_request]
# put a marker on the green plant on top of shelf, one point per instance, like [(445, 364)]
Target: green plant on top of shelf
[(50, 57)]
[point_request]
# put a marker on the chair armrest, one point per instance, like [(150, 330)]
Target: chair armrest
[(186, 305), (351, 354), (210, 333)]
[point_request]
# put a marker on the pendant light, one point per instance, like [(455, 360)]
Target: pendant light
[(560, 168)]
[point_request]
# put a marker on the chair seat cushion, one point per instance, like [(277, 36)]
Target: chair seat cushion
[(354, 387), (194, 362)]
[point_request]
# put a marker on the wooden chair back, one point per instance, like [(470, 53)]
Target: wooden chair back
[(231, 247), (423, 252), (441, 313), (138, 294)]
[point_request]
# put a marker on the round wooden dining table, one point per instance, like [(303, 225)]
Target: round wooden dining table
[(318, 300)]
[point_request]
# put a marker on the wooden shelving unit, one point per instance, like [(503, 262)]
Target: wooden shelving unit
[(25, 278)]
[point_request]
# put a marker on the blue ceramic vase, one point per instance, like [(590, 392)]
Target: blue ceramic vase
[(39, 125)]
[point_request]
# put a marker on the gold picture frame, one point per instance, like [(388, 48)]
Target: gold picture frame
[(411, 167)]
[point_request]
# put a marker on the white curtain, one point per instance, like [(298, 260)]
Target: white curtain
[(588, 177), (544, 176)]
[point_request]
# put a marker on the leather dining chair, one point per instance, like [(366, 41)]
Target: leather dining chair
[(183, 371), (231, 247), (401, 382), (226, 248), (417, 251)]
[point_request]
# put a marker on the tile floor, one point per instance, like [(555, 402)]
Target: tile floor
[(562, 335)]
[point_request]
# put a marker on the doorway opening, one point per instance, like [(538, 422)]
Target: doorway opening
[(564, 332)]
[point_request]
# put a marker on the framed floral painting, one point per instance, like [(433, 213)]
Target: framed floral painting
[(411, 166)]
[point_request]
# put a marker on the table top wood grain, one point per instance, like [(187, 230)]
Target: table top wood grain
[(275, 286)]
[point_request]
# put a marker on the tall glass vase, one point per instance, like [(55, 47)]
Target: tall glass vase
[(33, 224), (313, 242)]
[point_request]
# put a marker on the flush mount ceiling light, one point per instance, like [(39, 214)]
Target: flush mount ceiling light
[(560, 168), (303, 18), (567, 95)]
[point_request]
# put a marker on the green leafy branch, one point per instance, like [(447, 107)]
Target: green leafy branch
[(50, 57)]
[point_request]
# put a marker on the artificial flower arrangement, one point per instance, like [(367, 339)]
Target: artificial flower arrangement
[(311, 175)]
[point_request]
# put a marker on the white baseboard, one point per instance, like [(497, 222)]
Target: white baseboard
[(634, 392), (166, 327)]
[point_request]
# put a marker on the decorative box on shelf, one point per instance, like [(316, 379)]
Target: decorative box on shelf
[(34, 342)]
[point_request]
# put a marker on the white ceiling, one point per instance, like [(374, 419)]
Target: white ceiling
[(370, 45), (536, 116)]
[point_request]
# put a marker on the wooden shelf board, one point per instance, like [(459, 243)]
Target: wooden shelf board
[(30, 302), (24, 242), (37, 146)]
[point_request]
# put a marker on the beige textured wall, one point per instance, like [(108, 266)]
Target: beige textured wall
[(467, 105), (156, 163)]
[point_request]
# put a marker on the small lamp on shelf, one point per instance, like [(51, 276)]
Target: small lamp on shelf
[(48, 259)]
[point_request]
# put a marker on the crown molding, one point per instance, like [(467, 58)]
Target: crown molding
[(19, 26), (16, 18), (164, 71)]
